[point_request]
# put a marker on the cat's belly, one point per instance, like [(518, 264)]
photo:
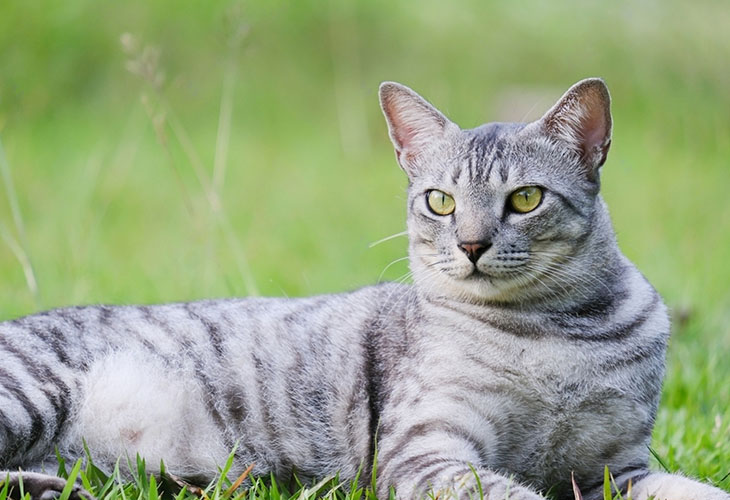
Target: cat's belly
[(135, 404)]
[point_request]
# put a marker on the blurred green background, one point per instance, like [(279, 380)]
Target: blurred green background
[(236, 148)]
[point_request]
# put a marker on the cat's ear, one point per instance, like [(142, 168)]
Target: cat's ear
[(414, 125), (582, 120)]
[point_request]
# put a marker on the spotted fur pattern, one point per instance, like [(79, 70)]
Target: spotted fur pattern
[(541, 358)]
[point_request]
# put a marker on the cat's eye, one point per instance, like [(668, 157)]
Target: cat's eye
[(440, 203), (526, 199)]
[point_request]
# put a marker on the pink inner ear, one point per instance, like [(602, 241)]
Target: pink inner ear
[(406, 134), (594, 130), (582, 120), (413, 122)]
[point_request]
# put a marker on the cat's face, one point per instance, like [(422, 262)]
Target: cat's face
[(500, 213)]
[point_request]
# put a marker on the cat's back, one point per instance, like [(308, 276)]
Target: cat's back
[(274, 375), (166, 328)]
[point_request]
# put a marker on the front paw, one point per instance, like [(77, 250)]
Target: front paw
[(469, 486), (40, 486), (661, 486)]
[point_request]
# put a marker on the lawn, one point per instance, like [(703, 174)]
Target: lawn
[(156, 152)]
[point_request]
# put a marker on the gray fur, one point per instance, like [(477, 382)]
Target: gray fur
[(542, 359)]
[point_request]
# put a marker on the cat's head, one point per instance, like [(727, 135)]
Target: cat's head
[(504, 212)]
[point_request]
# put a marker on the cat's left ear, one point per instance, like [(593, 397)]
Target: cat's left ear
[(582, 120)]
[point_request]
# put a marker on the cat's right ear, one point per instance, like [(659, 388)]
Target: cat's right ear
[(414, 125)]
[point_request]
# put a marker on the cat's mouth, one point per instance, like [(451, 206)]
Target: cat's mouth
[(477, 274)]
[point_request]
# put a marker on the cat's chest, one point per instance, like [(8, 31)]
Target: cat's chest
[(546, 409), (562, 415)]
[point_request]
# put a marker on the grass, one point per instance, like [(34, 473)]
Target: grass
[(146, 486), (246, 154)]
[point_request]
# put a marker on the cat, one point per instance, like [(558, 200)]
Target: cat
[(527, 349)]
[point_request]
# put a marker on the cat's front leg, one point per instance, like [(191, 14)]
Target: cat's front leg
[(445, 470), (661, 486), (479, 483), (460, 482)]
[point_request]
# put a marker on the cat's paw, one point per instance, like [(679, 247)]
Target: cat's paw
[(660, 486), (40, 486), (469, 487)]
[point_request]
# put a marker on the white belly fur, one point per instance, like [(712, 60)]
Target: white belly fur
[(134, 404)]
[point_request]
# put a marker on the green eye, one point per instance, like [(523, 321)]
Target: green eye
[(526, 199), (440, 202)]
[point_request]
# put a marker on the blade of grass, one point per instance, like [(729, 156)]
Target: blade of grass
[(576, 491), (20, 247), (478, 480), (659, 459), (238, 481), (71, 481), (6, 486), (152, 493)]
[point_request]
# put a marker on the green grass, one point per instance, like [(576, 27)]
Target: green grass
[(163, 485), (111, 186)]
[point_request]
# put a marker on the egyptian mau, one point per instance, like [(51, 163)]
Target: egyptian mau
[(528, 348)]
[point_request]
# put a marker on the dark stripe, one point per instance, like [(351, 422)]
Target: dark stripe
[(572, 206), (426, 480), (153, 319), (352, 424), (23, 439), (106, 314), (418, 463), (61, 403), (531, 328), (431, 427), (211, 328), (210, 394), (636, 354), (38, 370), (43, 373), (264, 396), (373, 374), (620, 331), (495, 157), (55, 339), (456, 175), (68, 314), (294, 382)]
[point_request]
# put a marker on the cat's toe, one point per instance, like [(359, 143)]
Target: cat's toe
[(50, 495)]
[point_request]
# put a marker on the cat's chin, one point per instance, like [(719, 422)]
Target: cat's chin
[(474, 287)]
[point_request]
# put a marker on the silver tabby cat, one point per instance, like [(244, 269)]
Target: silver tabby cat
[(528, 348)]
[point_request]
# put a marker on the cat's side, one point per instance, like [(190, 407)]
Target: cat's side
[(528, 348)]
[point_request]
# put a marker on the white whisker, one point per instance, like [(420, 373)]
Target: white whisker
[(387, 238)]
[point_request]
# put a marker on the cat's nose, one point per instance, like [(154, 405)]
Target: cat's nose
[(474, 250)]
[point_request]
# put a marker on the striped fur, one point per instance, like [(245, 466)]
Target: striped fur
[(541, 359)]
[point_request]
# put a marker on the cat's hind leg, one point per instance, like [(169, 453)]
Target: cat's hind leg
[(40, 486)]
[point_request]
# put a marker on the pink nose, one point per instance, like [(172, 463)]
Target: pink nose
[(474, 250)]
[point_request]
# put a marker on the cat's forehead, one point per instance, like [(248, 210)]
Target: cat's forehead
[(498, 154)]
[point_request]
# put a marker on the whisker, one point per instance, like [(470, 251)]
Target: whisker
[(389, 265), (388, 238)]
